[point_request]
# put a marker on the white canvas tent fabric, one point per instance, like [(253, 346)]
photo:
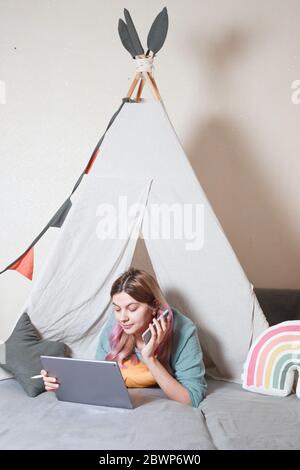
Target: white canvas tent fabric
[(142, 161)]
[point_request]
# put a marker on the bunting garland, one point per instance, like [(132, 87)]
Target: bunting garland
[(24, 264), (59, 217), (91, 162)]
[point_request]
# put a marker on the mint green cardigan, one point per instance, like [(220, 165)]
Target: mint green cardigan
[(186, 356)]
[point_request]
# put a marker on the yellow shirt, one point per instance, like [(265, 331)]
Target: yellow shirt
[(137, 375)]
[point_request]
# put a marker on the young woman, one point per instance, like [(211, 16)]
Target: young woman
[(172, 359)]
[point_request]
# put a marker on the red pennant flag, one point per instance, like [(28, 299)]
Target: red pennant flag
[(90, 164), (25, 264)]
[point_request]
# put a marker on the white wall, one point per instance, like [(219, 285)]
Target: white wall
[(225, 75)]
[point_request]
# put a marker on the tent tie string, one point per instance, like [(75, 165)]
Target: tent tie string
[(144, 64)]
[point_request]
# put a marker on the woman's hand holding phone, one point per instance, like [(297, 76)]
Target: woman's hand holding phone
[(147, 334), (155, 334)]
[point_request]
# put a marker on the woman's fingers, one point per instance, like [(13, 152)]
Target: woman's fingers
[(158, 328), (49, 382), (51, 388), (153, 332), (164, 324), (50, 379)]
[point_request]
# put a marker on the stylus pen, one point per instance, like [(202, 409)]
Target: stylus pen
[(37, 377)]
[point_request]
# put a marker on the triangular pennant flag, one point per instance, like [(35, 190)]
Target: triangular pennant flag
[(58, 218), (90, 164), (24, 265)]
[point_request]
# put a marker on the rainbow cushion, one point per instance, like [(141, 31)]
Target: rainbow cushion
[(273, 361)]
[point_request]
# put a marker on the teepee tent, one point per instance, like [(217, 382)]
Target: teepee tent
[(139, 182)]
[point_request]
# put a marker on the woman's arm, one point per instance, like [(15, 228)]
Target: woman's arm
[(188, 385), (189, 367), (172, 388)]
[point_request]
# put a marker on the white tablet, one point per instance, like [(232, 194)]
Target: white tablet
[(87, 381)]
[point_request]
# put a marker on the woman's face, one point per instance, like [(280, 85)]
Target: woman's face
[(133, 316)]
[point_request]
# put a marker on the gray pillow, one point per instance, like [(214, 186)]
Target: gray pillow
[(22, 354)]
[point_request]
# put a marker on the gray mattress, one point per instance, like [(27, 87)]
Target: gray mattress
[(46, 423), (229, 418), (238, 419)]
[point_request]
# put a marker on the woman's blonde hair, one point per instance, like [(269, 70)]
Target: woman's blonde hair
[(143, 288)]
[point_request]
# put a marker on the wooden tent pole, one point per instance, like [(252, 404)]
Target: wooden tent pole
[(133, 84), (152, 85), (143, 77), (140, 89)]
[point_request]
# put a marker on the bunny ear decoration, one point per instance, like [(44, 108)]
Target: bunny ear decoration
[(158, 31), (125, 38), (133, 34)]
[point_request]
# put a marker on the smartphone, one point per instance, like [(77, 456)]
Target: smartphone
[(147, 334)]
